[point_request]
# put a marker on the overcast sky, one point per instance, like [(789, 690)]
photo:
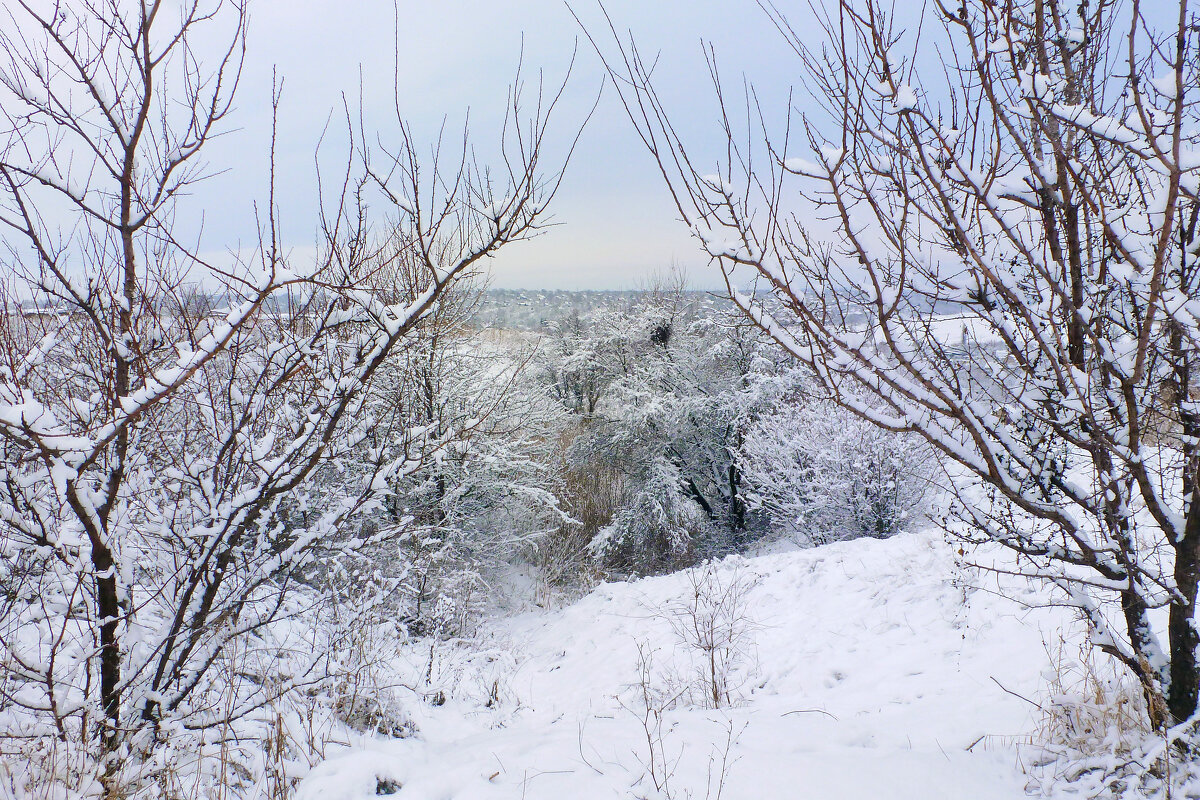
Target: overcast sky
[(616, 222)]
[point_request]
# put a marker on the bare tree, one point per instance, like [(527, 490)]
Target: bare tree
[(1013, 275), (161, 491)]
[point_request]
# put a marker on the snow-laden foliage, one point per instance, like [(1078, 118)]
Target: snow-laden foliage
[(491, 496), (824, 474), (662, 388), (713, 441)]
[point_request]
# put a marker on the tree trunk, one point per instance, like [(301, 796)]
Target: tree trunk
[(110, 651), (694, 491), (737, 506), (1181, 627)]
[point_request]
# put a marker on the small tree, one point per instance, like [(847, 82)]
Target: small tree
[(494, 493), (163, 478), (1042, 189)]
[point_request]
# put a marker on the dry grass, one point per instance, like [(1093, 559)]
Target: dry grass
[(1090, 704), (1094, 739)]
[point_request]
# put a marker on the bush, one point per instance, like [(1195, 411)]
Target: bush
[(823, 474), (657, 531)]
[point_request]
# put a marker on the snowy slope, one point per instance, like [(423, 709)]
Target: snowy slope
[(871, 669)]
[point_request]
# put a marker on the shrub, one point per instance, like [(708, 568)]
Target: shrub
[(824, 474)]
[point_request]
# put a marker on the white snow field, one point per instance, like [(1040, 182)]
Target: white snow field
[(872, 672)]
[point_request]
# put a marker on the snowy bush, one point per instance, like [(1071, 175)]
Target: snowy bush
[(489, 499), (673, 384), (823, 474), (714, 622), (657, 530), (1094, 739), (592, 493)]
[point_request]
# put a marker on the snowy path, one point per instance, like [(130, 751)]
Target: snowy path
[(873, 671)]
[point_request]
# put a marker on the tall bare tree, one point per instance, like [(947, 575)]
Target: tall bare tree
[(1013, 274)]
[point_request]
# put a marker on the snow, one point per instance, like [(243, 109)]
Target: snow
[(874, 669), (1166, 83), (717, 183), (905, 99), (802, 166)]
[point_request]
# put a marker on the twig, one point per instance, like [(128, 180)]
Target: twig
[(1038, 706), (810, 711)]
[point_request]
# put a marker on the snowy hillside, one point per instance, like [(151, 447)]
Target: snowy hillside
[(870, 670)]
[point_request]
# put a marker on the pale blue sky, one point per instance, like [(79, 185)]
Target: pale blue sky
[(617, 224)]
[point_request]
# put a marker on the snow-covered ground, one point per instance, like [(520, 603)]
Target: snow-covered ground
[(872, 669)]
